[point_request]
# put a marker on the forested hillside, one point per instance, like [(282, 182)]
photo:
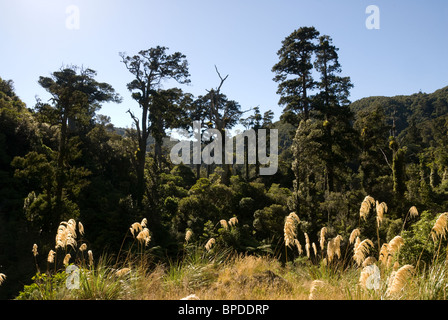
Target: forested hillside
[(61, 159), (416, 125)]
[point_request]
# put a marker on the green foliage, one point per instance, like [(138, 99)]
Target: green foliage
[(268, 222), (45, 287), (418, 243)]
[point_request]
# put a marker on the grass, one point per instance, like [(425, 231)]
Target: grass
[(240, 277), (215, 271)]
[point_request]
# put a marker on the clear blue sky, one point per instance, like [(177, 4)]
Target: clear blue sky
[(409, 53)]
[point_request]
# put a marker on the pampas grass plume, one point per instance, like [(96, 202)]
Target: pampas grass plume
[(413, 212), (188, 235), (381, 209), (80, 228), (122, 272), (366, 204), (299, 246), (440, 227), (66, 259), (369, 261), (289, 229), (395, 244), (313, 245), (399, 279), (50, 257), (136, 226), (355, 233), (90, 254), (384, 253), (209, 244), (361, 250), (224, 224), (323, 232), (233, 221)]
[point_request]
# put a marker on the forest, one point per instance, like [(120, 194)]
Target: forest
[(375, 169)]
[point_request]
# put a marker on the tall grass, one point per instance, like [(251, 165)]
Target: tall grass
[(336, 268)]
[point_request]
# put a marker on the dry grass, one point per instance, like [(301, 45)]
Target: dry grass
[(210, 271)]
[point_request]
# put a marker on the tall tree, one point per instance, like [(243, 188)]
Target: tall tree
[(326, 142), (218, 112), (332, 108), (76, 96), (170, 111), (255, 122), (374, 134), (150, 68), (294, 74)]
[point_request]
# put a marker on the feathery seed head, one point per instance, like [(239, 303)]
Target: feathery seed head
[(399, 279), (439, 229), (330, 250), (35, 253), (289, 229), (224, 224), (66, 235), (209, 244), (188, 235), (384, 253), (122, 272), (144, 237), (337, 245), (67, 259), (395, 244), (355, 233), (233, 221), (50, 257), (80, 228), (307, 249), (413, 212), (313, 245), (366, 205), (90, 254), (369, 261), (361, 251), (381, 209), (136, 226), (299, 246), (323, 232)]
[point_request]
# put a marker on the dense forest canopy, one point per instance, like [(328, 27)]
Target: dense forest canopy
[(61, 159)]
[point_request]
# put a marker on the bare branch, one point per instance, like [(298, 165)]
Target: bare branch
[(385, 157), (222, 79), (136, 121)]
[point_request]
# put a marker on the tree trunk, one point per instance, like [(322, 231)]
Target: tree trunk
[(158, 136), (141, 158), (246, 159), (60, 174), (226, 175), (198, 171)]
